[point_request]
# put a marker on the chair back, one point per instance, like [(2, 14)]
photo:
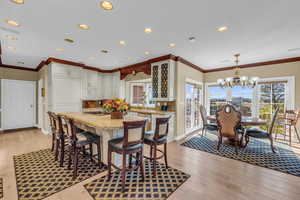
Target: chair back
[(203, 113), (274, 117), (52, 123), (161, 128), (70, 128), (57, 124), (292, 116), (134, 132), (228, 119)]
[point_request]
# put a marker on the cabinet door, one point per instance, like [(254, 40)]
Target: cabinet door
[(155, 81), (164, 80)]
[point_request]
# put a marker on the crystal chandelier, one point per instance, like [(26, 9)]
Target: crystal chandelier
[(237, 79)]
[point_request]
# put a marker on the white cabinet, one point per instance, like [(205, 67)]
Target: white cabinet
[(90, 84), (163, 80)]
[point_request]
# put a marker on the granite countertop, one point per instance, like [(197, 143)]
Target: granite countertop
[(92, 110), (101, 122), (147, 111)]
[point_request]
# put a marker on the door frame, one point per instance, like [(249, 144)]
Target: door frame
[(192, 81), (2, 100)]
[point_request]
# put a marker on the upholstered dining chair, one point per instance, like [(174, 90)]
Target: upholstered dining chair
[(156, 138), (131, 143), (79, 140), (206, 124), (261, 134), (229, 120)]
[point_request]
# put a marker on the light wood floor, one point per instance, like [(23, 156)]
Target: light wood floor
[(212, 177)]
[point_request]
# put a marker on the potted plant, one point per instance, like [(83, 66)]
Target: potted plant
[(116, 108)]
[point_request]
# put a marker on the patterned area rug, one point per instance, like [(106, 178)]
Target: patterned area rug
[(1, 188), (39, 176), (258, 152), (159, 188)]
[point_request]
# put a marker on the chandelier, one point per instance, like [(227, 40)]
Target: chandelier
[(237, 79)]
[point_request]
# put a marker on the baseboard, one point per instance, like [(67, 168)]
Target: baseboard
[(182, 137), (45, 132)]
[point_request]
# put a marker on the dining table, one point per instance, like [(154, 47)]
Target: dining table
[(103, 126)]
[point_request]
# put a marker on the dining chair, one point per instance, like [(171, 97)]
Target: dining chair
[(289, 120), (206, 124), (261, 134), (131, 143), (53, 129), (156, 138), (229, 120), (77, 141)]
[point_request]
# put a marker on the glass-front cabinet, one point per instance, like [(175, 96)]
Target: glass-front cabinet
[(163, 80)]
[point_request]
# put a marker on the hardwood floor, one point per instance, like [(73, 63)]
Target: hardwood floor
[(212, 177)]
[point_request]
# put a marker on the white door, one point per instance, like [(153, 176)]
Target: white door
[(18, 104)]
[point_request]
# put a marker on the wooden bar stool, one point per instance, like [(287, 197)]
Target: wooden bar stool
[(52, 127), (156, 138), (131, 143), (77, 142)]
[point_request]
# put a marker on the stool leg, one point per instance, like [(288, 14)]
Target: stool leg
[(290, 135), (56, 148), (75, 163), (130, 161), (99, 155), (154, 159), (165, 155), (62, 151), (53, 141), (123, 172), (70, 156), (142, 165), (109, 162), (91, 152)]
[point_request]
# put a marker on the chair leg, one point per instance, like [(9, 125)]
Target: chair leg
[(130, 161), (290, 135), (284, 132), (57, 146), (236, 146), (220, 142), (137, 158), (75, 163), (247, 139), (151, 151), (123, 172), (62, 151), (203, 130), (53, 141), (296, 131), (109, 162), (91, 152), (154, 159), (70, 156), (99, 155), (165, 155), (272, 145), (142, 165)]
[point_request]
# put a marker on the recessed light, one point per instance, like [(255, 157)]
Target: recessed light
[(147, 53), (104, 51), (11, 37), (223, 28), (11, 48), (122, 43), (172, 45), (294, 49), (148, 30), (22, 63), (18, 1), (106, 5), (192, 39), (83, 26), (59, 49), (12, 23), (69, 40), (91, 58)]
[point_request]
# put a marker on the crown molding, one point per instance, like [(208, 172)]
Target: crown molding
[(258, 64), (16, 67)]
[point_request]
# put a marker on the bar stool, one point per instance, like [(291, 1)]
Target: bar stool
[(156, 138), (131, 143), (77, 142)]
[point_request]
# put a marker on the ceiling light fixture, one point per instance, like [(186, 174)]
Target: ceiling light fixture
[(147, 53), (222, 29), (11, 48), (192, 39), (106, 5), (148, 30), (83, 27), (12, 23), (59, 49), (18, 1), (122, 43), (104, 51), (11, 37), (69, 40), (172, 45), (237, 79)]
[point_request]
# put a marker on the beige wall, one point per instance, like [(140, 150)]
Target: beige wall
[(183, 72), (268, 71), (16, 74), (43, 105)]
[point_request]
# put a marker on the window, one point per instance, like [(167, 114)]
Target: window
[(141, 94), (217, 96), (242, 99)]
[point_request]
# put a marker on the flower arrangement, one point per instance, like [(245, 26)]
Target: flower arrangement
[(116, 105)]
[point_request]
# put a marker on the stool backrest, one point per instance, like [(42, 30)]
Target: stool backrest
[(56, 120), (134, 132), (52, 123), (229, 119), (70, 130), (161, 128)]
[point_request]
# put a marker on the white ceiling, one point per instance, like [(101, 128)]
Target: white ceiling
[(260, 30)]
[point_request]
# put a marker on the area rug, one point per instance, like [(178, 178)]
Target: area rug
[(258, 152), (39, 176), (153, 188), (1, 188)]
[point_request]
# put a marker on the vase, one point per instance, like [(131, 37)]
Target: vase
[(116, 115)]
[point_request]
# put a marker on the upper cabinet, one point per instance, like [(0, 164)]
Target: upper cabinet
[(163, 80)]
